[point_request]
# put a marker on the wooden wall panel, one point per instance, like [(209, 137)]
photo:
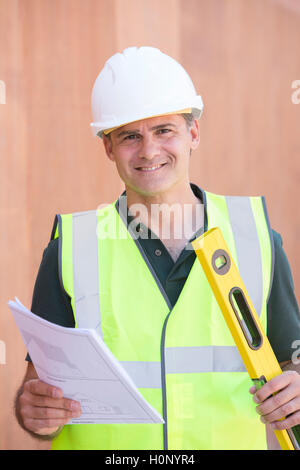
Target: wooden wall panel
[(243, 58), (243, 62), (153, 23)]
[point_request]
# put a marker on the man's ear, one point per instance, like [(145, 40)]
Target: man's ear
[(195, 134), (107, 142)]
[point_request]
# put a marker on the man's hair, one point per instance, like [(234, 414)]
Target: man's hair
[(189, 119)]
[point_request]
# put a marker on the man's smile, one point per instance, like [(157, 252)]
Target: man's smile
[(150, 168)]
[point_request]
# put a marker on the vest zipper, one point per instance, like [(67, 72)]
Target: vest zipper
[(163, 381)]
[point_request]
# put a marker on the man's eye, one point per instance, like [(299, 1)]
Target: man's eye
[(163, 131), (131, 137)]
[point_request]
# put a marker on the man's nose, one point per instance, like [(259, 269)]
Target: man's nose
[(149, 148)]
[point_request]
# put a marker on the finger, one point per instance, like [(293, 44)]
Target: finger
[(49, 413), (48, 402), (275, 385), (287, 423), (37, 387), (253, 389), (283, 411), (279, 400), (43, 426)]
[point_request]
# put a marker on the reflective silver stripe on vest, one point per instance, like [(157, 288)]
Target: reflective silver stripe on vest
[(185, 360), (247, 247), (143, 374), (86, 271)]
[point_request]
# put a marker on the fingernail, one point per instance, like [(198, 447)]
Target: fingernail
[(74, 406), (256, 399)]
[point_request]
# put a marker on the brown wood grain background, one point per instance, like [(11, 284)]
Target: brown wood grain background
[(243, 56)]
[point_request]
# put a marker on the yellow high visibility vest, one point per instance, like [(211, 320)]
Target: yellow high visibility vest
[(182, 359)]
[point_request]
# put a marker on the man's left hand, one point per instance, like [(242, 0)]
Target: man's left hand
[(279, 401)]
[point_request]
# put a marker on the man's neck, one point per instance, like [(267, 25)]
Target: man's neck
[(179, 194), (174, 216)]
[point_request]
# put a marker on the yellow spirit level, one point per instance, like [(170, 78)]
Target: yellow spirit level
[(241, 318)]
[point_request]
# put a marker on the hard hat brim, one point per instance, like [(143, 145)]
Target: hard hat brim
[(99, 129)]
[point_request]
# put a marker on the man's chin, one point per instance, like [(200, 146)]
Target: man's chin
[(151, 189)]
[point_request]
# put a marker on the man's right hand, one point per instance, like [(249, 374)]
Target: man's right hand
[(43, 409)]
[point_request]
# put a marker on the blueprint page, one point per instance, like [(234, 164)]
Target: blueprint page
[(78, 361)]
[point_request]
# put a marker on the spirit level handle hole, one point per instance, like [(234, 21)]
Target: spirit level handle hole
[(245, 318)]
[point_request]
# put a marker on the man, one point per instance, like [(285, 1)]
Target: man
[(148, 296)]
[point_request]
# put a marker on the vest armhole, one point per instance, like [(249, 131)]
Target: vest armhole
[(54, 232), (263, 199), (58, 231), (205, 209)]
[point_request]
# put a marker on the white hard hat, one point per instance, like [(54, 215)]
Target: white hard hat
[(140, 83)]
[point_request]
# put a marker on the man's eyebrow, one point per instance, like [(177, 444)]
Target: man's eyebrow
[(161, 126), (132, 131), (154, 128)]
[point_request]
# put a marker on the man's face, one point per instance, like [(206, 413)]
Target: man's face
[(152, 155)]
